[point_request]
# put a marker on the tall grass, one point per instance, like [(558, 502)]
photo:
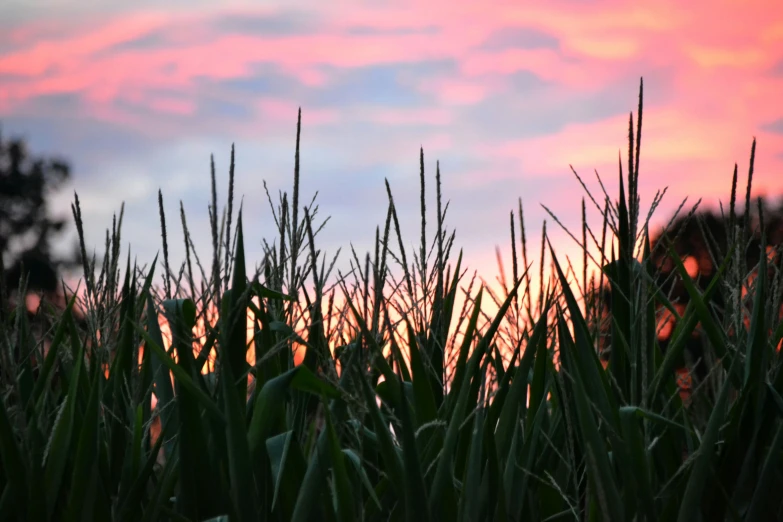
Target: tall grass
[(398, 410)]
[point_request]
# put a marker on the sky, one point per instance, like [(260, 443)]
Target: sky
[(505, 95)]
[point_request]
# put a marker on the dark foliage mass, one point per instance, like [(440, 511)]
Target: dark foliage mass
[(27, 229), (705, 238), (701, 240)]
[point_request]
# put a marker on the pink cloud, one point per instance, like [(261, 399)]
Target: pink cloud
[(546, 64), (729, 56), (453, 91), (692, 154), (398, 116), (593, 40), (171, 105), (40, 56)]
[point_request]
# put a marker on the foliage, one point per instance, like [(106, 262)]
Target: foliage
[(26, 228)]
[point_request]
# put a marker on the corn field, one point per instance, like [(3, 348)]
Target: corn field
[(179, 397)]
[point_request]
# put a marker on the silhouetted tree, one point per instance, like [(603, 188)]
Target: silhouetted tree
[(26, 227), (702, 242)]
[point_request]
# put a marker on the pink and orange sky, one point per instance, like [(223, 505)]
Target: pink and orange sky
[(505, 94)]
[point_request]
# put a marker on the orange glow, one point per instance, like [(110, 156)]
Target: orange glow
[(691, 266), (684, 384), (667, 321)]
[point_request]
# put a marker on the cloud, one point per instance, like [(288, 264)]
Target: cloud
[(273, 23), (775, 127), (377, 85), (528, 107), (519, 38), (88, 144), (154, 39), (371, 30)]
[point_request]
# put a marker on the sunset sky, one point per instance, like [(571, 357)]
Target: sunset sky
[(137, 95)]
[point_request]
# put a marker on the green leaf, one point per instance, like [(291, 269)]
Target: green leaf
[(60, 442), (269, 408), (163, 492), (471, 500), (592, 373), (757, 357), (183, 379), (760, 503), (358, 468), (715, 334), (537, 388), (288, 468), (703, 463), (313, 482), (425, 399), (342, 484), (391, 458), (639, 460), (13, 464), (517, 477), (599, 469), (233, 320), (85, 469), (164, 391), (443, 480), (267, 293), (462, 358), (239, 468), (416, 494), (517, 395), (44, 377), (130, 504)]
